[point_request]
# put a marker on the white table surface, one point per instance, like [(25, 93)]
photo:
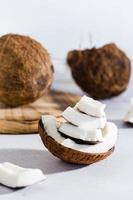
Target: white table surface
[(109, 179)]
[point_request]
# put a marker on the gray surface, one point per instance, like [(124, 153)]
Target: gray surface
[(108, 179)]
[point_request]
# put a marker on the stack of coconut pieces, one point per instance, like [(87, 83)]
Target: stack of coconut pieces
[(85, 137), (84, 122)]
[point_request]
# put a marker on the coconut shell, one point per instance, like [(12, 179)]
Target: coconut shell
[(26, 70), (101, 72), (67, 154)]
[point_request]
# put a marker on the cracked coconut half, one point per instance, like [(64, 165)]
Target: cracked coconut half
[(84, 137), (101, 72)]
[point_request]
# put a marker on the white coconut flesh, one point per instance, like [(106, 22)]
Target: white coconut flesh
[(129, 115), (109, 135)]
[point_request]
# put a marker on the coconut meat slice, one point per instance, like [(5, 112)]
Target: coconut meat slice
[(91, 106), (15, 176), (129, 115), (82, 120), (76, 132), (50, 125), (109, 135)]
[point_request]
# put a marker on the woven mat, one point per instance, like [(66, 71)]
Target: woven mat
[(24, 119)]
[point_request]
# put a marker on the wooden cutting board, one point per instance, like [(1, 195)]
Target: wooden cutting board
[(24, 119)]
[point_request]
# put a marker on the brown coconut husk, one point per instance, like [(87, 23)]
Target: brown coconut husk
[(26, 70), (67, 154), (101, 72)]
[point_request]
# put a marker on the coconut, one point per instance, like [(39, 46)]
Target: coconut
[(26, 70), (68, 154), (100, 72)]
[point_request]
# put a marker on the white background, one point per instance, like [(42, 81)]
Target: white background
[(61, 25), (64, 24)]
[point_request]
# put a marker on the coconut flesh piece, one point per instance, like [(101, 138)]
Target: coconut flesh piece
[(91, 106), (109, 134), (51, 126), (110, 137), (82, 120), (15, 176), (76, 132), (129, 115), (85, 126)]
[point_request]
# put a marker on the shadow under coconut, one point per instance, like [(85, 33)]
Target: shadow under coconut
[(34, 159), (6, 190), (122, 124)]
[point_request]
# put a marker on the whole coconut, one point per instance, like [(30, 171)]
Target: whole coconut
[(26, 70), (102, 72)]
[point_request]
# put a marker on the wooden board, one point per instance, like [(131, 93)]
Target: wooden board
[(24, 119)]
